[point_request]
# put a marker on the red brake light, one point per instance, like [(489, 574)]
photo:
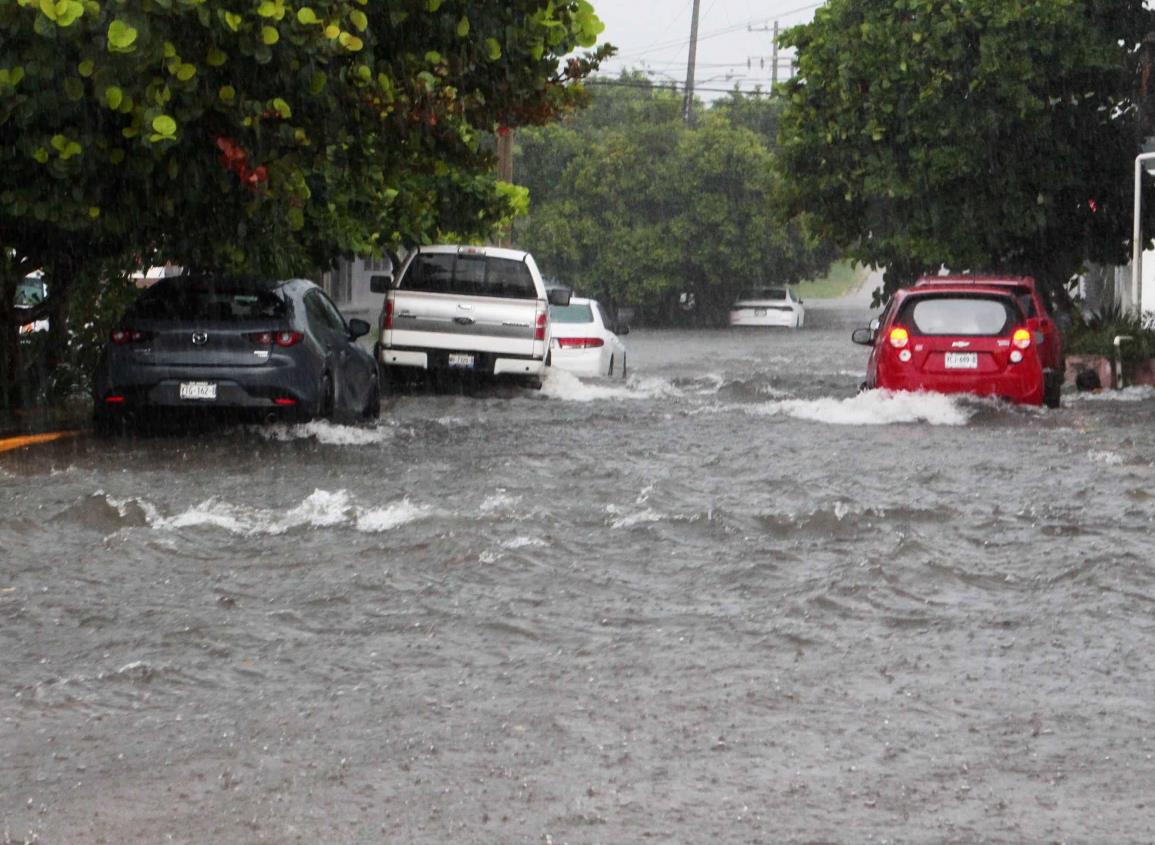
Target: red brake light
[(1022, 338), (122, 337), (260, 338), (284, 401), (287, 339), (899, 337), (387, 317), (539, 332), (114, 399), (580, 342)]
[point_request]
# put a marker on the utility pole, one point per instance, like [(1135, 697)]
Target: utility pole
[(774, 59), (688, 106)]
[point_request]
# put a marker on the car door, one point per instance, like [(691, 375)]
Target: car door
[(349, 373)]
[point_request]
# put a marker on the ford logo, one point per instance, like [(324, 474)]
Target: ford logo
[(200, 338)]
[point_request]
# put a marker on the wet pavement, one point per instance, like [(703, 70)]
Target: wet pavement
[(728, 600)]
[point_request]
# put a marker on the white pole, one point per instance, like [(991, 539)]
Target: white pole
[(1136, 234)]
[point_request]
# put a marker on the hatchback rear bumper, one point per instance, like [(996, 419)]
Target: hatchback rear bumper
[(139, 388), (1022, 386)]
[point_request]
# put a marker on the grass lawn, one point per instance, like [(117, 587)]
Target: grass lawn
[(841, 280)]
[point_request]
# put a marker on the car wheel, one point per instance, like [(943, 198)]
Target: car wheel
[(1052, 389), (373, 405), (326, 403)]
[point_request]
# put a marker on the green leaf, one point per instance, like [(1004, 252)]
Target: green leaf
[(269, 35), (350, 42), (164, 125), (359, 20), (463, 27), (306, 16), (492, 49), (227, 93), (215, 57), (86, 67), (433, 5), (121, 36), (282, 108)]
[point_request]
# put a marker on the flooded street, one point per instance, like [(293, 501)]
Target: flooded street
[(728, 601)]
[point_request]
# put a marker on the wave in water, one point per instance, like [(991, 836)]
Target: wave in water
[(559, 384), (328, 433), (874, 407), (1138, 393)]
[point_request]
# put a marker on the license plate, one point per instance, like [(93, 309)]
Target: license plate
[(759, 312), (460, 360), (198, 390), (962, 360)]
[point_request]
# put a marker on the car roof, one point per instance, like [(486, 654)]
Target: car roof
[(468, 249), (980, 280)]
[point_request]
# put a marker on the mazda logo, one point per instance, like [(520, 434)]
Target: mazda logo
[(200, 338)]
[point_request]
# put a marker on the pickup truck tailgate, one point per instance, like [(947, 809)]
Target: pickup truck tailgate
[(482, 324)]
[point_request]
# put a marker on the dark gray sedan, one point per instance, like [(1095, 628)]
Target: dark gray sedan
[(267, 349)]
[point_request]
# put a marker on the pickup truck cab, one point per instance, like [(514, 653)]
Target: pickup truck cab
[(468, 310)]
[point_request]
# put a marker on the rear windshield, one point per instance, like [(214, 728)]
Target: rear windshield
[(962, 315), (763, 293), (469, 275), (198, 302), (572, 313)]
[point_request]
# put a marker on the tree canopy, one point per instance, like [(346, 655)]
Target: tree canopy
[(629, 204), (986, 135), (265, 135)]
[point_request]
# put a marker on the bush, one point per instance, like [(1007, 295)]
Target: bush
[(1095, 333)]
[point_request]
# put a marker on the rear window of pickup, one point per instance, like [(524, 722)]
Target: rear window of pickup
[(469, 275)]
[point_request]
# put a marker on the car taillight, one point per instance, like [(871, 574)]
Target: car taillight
[(387, 316), (282, 339), (580, 342), (899, 337), (539, 332), (1021, 338), (122, 337)]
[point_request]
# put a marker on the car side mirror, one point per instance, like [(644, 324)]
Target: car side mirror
[(381, 283), (863, 336), (559, 296), (358, 328)]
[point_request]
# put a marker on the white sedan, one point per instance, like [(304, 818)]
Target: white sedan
[(768, 307), (584, 341)]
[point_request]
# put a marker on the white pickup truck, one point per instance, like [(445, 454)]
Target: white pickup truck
[(466, 309)]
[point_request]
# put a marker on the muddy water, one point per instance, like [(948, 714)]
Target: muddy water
[(727, 601)]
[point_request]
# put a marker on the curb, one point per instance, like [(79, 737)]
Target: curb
[(9, 444)]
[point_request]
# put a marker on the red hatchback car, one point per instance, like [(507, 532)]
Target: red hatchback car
[(1048, 338), (965, 338)]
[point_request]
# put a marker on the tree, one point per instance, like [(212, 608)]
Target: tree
[(630, 205), (262, 135), (980, 135)]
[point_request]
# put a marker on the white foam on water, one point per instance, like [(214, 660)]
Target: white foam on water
[(1137, 393), (329, 434), (874, 407), (1111, 459), (499, 501), (321, 509), (523, 543), (645, 516), (559, 384)]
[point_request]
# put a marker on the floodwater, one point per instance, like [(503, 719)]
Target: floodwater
[(726, 601)]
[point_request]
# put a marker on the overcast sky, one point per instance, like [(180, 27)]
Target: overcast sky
[(654, 35)]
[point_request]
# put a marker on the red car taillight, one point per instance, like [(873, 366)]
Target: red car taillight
[(282, 339), (580, 342), (123, 337), (539, 332), (387, 316)]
